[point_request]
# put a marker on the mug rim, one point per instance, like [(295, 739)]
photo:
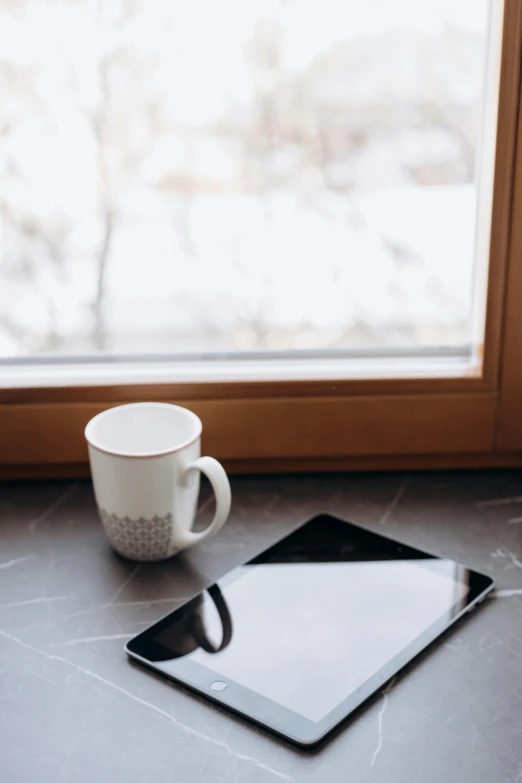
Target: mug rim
[(142, 454)]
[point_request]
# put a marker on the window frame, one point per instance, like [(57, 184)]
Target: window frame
[(373, 423)]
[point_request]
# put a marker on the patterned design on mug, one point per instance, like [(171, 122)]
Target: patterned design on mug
[(139, 539)]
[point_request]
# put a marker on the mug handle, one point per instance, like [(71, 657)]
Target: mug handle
[(215, 472)]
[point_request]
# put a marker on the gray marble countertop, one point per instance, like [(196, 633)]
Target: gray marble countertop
[(72, 708)]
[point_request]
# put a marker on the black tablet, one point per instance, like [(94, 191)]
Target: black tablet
[(301, 635)]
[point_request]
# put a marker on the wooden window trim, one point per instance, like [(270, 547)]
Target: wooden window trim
[(387, 423)]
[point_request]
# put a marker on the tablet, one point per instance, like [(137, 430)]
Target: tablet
[(301, 635)]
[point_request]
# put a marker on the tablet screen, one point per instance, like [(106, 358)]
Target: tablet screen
[(316, 616)]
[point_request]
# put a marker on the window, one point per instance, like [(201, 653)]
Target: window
[(301, 178), (293, 216)]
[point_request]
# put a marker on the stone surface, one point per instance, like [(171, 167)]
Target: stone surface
[(72, 708)]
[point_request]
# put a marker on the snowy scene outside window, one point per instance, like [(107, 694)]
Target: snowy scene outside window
[(238, 175)]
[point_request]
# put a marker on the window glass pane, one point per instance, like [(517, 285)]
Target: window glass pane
[(227, 175)]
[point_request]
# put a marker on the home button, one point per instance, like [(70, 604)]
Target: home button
[(218, 685)]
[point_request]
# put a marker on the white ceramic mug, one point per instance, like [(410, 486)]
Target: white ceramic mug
[(145, 464)]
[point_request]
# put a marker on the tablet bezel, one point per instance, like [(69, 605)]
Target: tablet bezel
[(271, 714)]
